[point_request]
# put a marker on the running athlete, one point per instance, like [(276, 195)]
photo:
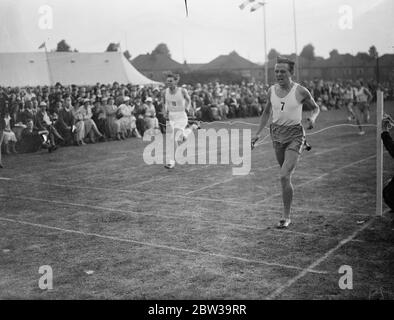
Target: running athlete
[(363, 97), (286, 99), (176, 102), (348, 98)]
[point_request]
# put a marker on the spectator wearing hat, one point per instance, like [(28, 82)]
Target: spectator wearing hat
[(150, 119), (127, 119), (91, 129)]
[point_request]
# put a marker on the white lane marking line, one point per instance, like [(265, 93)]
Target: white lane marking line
[(3, 178), (159, 246), (227, 180), (302, 274), (267, 207), (268, 168), (226, 201), (317, 178), (176, 217), (343, 146)]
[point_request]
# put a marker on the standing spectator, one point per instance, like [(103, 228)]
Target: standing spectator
[(388, 191), (9, 138), (2, 126)]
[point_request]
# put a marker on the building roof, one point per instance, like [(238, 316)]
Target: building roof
[(232, 61), (156, 62)]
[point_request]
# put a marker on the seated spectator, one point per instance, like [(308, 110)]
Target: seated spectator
[(65, 122), (233, 105), (126, 118), (100, 117), (151, 122), (139, 114), (27, 113), (9, 138), (44, 123), (112, 122), (91, 130), (78, 124), (34, 139)]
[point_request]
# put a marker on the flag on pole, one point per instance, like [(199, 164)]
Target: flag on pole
[(42, 45), (256, 6), (243, 5)]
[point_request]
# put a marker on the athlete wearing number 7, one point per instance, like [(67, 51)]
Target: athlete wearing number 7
[(285, 102)]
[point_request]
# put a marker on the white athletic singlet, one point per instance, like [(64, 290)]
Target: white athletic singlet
[(348, 94), (175, 104), (286, 111), (360, 95)]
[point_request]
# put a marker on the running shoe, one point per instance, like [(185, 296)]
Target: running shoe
[(283, 224)]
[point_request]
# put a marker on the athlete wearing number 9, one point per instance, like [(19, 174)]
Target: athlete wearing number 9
[(285, 102)]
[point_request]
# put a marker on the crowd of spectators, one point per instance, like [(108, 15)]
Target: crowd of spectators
[(46, 117)]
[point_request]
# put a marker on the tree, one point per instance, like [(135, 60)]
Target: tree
[(373, 52), (162, 49), (127, 54), (62, 46), (113, 47), (273, 54), (308, 52), (334, 53)]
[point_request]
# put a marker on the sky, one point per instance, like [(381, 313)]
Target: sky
[(213, 27)]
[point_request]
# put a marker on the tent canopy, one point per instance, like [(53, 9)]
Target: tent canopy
[(40, 68)]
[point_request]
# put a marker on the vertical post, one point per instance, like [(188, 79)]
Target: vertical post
[(49, 66), (265, 45), (297, 68), (379, 154)]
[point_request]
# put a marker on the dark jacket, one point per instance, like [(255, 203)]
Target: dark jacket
[(2, 123), (66, 118), (388, 191), (388, 142)]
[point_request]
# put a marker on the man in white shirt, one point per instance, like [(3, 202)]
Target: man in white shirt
[(285, 102)]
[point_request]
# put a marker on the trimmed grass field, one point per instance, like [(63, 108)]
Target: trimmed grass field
[(196, 232)]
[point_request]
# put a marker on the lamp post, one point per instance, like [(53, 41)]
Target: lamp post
[(297, 70), (265, 45)]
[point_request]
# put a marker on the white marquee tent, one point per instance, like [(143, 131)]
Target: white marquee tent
[(40, 68)]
